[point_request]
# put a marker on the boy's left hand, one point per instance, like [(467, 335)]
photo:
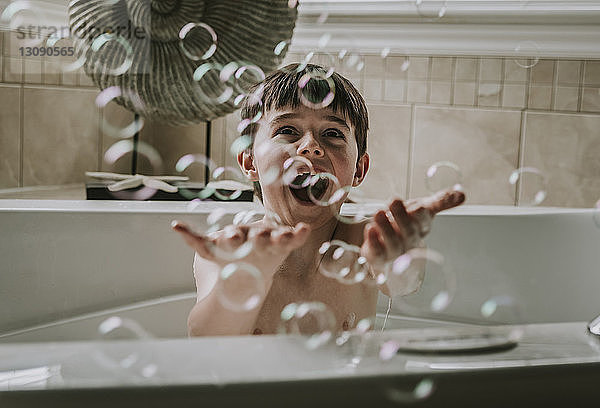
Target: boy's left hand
[(402, 227)]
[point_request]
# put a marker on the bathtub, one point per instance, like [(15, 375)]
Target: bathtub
[(68, 265)]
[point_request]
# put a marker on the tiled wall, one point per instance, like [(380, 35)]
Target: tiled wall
[(489, 116), (51, 129), (486, 115)]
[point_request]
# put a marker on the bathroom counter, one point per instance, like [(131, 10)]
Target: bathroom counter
[(552, 363)]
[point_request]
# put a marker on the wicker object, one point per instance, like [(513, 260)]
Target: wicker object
[(160, 71)]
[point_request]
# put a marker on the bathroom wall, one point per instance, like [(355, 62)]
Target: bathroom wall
[(487, 115), (50, 126)]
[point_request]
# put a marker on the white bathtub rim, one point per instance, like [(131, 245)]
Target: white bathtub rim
[(181, 207)]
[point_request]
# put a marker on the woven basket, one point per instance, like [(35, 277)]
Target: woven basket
[(143, 37)]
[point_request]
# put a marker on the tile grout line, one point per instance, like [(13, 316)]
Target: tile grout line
[(502, 79), (520, 155), (477, 82), (21, 133), (411, 149), (582, 67), (452, 79), (428, 79), (554, 90)]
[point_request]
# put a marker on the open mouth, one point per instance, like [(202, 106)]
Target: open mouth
[(300, 185)]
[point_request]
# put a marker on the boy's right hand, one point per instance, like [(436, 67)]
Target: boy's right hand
[(270, 244)]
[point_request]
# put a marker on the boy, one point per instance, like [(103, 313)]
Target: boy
[(331, 139)]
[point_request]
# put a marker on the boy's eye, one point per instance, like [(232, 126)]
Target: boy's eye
[(286, 130), (333, 133)]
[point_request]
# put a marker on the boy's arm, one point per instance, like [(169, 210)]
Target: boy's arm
[(391, 233), (270, 246)]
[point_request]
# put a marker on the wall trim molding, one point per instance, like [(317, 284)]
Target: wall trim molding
[(512, 28)]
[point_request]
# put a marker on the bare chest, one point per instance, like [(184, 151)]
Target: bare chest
[(349, 303)]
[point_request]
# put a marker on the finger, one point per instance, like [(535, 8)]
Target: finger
[(373, 248), (198, 242), (404, 221), (261, 238), (392, 237), (444, 200), (422, 218), (230, 239)]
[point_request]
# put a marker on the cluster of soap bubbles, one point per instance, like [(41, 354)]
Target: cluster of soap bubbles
[(241, 286)]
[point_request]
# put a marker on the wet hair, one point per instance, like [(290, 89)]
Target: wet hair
[(280, 89)]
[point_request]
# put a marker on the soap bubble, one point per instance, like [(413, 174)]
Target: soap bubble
[(236, 183), (63, 41), (21, 13), (388, 350), (503, 312), (114, 93), (281, 48), (443, 175), (209, 87), (324, 190), (242, 75), (354, 215), (120, 51), (316, 90), (349, 62), (528, 54), (342, 261), (194, 164), (314, 322), (294, 166), (124, 148), (421, 391), (124, 359), (438, 281), (431, 9), (532, 185), (194, 38), (353, 345), (241, 287)]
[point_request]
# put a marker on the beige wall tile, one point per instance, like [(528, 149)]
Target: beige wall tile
[(592, 73), (591, 99), (540, 97), (513, 72), (543, 72), (489, 94), (52, 71), (397, 67), (388, 145), (60, 135), (416, 92), (418, 68), (12, 43), (32, 68), (13, 70), (484, 145), (566, 149), (441, 68), (440, 92), (490, 69), (85, 80), (10, 123), (373, 89), (374, 67), (569, 72), (466, 69), (464, 93), (566, 98), (513, 96), (174, 142), (395, 90)]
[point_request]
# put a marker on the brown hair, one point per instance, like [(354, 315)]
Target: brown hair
[(280, 90)]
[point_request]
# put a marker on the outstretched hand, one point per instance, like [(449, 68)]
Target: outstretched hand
[(268, 245), (403, 226)]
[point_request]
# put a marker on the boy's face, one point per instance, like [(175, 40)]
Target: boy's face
[(325, 138)]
